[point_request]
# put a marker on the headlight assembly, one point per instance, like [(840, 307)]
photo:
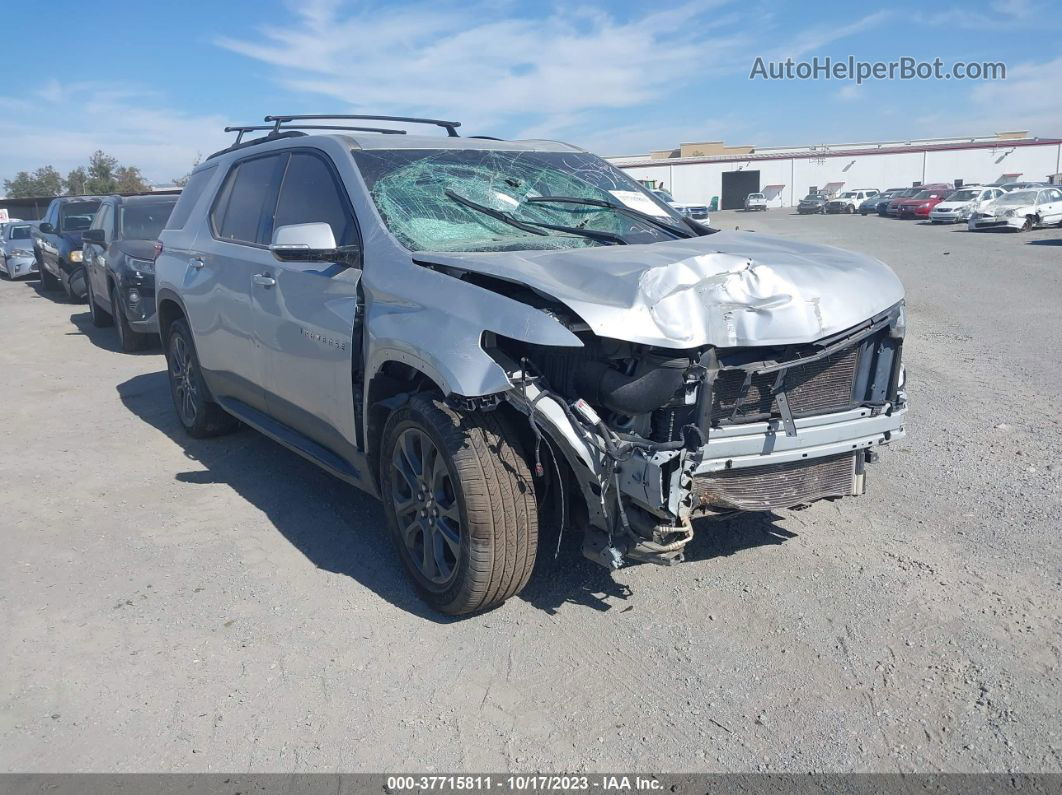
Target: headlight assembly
[(75, 256)]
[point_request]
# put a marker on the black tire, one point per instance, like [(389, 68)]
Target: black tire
[(200, 416), (473, 499), (48, 282), (100, 319), (69, 281), (130, 341)]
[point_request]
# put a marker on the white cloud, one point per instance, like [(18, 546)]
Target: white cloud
[(62, 124), (997, 15), (1024, 101), (488, 68), (850, 92)]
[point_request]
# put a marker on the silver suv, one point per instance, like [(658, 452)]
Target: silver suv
[(496, 335)]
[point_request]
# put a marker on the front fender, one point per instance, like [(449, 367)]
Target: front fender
[(438, 328)]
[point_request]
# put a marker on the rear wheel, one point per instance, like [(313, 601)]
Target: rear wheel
[(460, 504), (100, 319), (200, 416)]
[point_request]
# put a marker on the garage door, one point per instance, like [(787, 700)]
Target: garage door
[(736, 186)]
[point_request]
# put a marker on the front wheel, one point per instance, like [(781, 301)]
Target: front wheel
[(200, 416), (460, 504), (100, 319), (130, 341), (48, 282)]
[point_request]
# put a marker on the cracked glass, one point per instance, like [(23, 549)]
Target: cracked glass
[(418, 194)]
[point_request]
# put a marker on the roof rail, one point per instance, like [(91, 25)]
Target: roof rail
[(251, 127), (279, 122)]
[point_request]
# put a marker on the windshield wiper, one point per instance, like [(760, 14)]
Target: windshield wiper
[(619, 208), (530, 226)]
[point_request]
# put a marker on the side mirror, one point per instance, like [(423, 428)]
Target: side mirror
[(313, 242), (46, 228), (96, 236)]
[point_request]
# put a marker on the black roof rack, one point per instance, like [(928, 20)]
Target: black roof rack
[(252, 127), (282, 122)]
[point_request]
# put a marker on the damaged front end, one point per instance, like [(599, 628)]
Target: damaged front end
[(656, 437)]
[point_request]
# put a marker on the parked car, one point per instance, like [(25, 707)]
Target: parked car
[(920, 205), (850, 200), (698, 212), (812, 203), (119, 258), (16, 249), (894, 204), (906, 193), (959, 205), (755, 201), (1020, 210), (1012, 186), (58, 243), (871, 205), (454, 325)]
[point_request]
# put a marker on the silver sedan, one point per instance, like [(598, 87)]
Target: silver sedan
[(16, 249)]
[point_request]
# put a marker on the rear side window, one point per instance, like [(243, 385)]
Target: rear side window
[(144, 220), (189, 196), (250, 189), (77, 216), (311, 193), (19, 233)]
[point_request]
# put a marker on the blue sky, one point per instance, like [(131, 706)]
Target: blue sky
[(154, 83)]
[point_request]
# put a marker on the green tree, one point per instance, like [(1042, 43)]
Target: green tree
[(75, 182), (45, 181), (130, 180), (101, 174), (180, 182)]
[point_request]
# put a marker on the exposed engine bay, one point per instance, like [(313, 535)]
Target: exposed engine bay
[(656, 437)]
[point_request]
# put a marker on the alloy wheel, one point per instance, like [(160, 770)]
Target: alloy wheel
[(182, 376), (425, 504)]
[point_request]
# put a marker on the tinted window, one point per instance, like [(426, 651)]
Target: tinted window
[(310, 194), (191, 193), (77, 216), (103, 221), (250, 189), (144, 220)]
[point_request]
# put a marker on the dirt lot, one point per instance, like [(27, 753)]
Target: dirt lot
[(180, 605)]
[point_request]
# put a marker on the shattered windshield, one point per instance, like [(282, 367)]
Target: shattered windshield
[(492, 200)]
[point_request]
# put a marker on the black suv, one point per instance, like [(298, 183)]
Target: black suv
[(58, 243), (119, 260)]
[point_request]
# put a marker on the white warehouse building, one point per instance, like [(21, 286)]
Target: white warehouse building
[(695, 173)]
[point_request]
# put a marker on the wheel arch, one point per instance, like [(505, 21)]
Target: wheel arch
[(169, 308), (390, 386)]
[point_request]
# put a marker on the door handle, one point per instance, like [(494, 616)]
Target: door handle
[(197, 263), (263, 280)]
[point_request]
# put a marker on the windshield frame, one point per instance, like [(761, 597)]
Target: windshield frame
[(519, 174)]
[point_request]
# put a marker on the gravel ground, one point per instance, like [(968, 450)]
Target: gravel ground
[(178, 605)]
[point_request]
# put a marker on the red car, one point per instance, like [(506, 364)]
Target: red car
[(919, 205)]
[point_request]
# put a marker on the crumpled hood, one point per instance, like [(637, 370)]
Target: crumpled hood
[(727, 289)]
